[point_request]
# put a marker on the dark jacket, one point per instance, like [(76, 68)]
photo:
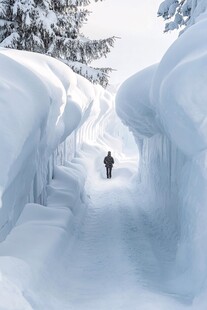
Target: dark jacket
[(109, 161)]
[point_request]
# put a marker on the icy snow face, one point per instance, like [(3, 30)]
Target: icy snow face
[(173, 171), (41, 102), (134, 106), (179, 90)]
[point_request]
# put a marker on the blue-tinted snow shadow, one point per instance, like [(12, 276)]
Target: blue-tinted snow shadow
[(152, 252)]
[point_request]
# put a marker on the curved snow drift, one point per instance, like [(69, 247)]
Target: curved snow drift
[(165, 107), (41, 103)]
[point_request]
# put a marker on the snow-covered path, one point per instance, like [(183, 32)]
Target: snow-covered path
[(105, 246), (110, 259), (100, 269)]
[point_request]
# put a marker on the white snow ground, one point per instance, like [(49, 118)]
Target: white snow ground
[(102, 268), (105, 260)]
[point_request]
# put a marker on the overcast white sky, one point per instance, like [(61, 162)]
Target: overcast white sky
[(142, 40)]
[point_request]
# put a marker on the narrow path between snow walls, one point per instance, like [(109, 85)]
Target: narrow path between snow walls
[(107, 264), (41, 102), (137, 241)]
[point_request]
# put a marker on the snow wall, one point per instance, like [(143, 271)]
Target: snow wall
[(47, 115), (42, 104), (53, 123), (165, 108)]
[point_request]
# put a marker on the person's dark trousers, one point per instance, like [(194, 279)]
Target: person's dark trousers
[(108, 172)]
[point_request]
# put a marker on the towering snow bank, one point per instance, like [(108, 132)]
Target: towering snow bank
[(55, 103), (32, 252), (173, 166), (159, 164), (185, 63), (41, 102), (103, 130), (135, 107)]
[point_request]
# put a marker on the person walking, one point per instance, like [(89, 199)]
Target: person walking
[(108, 161)]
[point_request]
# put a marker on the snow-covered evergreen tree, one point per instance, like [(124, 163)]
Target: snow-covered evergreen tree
[(53, 27), (181, 13)]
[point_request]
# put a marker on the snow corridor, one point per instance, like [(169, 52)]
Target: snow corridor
[(71, 239), (108, 262)]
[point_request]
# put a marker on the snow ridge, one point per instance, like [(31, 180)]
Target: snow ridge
[(170, 129), (43, 101)]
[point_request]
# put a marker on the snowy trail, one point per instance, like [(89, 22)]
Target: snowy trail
[(100, 269), (97, 267), (110, 257)]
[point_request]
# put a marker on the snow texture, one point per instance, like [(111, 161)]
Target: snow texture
[(44, 109), (172, 135), (41, 102), (79, 241)]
